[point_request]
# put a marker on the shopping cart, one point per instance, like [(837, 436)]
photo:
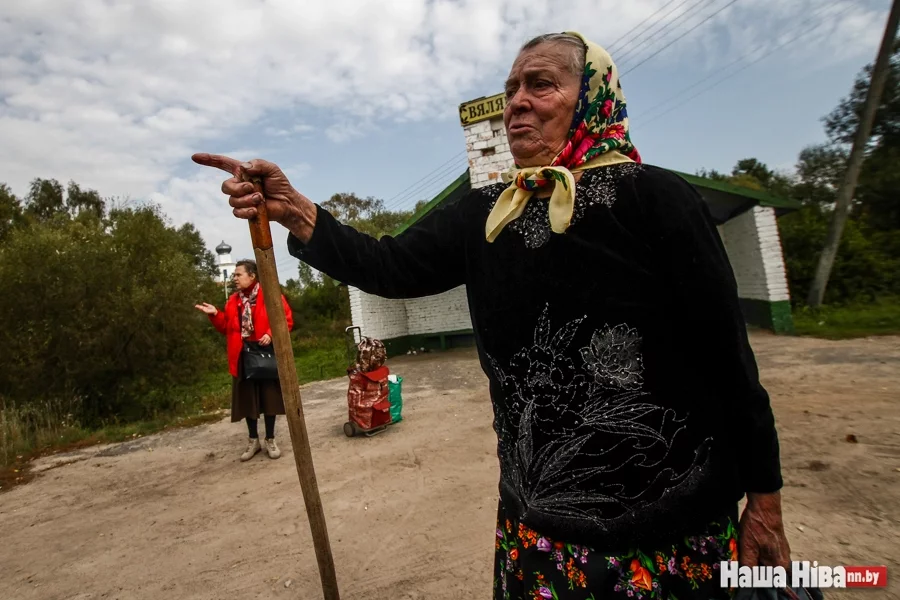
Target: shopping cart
[(369, 397)]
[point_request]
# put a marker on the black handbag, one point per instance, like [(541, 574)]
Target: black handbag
[(258, 362)]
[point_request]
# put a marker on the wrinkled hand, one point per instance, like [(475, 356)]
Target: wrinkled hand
[(265, 340), (206, 308), (761, 533), (284, 204)]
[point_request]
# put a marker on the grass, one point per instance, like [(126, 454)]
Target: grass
[(321, 358), (46, 428), (850, 321)]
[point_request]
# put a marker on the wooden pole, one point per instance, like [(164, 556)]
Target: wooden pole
[(855, 161), (261, 235)]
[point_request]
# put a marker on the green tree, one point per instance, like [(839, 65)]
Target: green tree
[(367, 215), (712, 174), (11, 213), (841, 124), (45, 200), (191, 243), (879, 182), (863, 269), (79, 202), (819, 172), (860, 273), (103, 310), (48, 200)]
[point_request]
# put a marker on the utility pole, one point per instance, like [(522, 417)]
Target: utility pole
[(854, 163)]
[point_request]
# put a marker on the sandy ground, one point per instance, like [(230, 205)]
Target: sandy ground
[(411, 511)]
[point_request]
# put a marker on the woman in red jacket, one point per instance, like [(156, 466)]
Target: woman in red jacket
[(244, 320)]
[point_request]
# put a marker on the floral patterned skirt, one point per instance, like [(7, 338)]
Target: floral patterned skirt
[(529, 566)]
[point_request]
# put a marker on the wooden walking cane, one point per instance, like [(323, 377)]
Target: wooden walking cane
[(261, 235)]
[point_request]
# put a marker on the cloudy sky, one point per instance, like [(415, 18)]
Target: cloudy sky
[(354, 96)]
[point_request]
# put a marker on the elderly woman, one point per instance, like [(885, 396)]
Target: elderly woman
[(244, 320), (628, 409)]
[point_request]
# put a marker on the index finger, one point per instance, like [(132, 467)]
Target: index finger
[(227, 164)]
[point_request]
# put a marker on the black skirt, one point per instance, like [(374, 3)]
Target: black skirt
[(251, 398)]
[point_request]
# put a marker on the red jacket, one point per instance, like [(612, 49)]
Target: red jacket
[(228, 322)]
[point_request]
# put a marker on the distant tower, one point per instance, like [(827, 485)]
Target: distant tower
[(226, 264)]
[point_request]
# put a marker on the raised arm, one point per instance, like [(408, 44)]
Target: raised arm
[(426, 259)]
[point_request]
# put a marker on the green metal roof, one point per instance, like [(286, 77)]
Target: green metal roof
[(726, 200), (763, 198), (460, 186)]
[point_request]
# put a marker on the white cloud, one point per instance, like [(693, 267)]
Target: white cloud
[(115, 93), (289, 131)]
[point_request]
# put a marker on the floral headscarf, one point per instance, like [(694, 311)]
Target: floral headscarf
[(599, 136)]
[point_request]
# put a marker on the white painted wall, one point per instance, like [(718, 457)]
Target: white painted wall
[(754, 249), (379, 318), (445, 312)]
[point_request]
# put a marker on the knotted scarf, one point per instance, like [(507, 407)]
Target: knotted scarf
[(248, 301), (599, 136)]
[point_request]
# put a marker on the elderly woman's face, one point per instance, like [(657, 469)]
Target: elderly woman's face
[(541, 93)]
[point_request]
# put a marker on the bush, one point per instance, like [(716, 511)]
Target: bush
[(101, 315), (864, 268)]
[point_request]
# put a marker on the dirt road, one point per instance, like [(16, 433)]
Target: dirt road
[(411, 511)]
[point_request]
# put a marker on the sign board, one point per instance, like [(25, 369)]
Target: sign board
[(481, 109)]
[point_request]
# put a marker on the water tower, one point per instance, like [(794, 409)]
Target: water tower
[(226, 264)]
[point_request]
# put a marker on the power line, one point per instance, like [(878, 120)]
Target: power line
[(612, 46), (637, 49), (456, 156), (417, 187), (287, 273), (426, 192), (428, 182), (719, 81), (439, 185), (678, 94), (744, 68), (679, 37)]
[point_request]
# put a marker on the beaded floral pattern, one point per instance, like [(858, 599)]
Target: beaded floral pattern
[(571, 416)]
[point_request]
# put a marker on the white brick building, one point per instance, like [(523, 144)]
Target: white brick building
[(746, 224)]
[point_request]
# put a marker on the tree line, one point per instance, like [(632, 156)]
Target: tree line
[(98, 301)]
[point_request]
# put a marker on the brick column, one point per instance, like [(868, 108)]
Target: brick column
[(488, 151), (754, 250)]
